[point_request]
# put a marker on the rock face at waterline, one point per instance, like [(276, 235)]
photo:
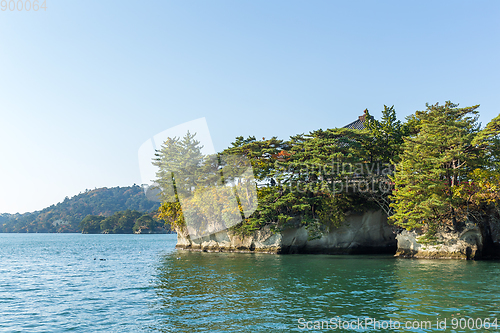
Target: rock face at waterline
[(467, 244), (363, 233), (480, 240)]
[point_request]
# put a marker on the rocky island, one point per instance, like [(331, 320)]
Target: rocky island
[(424, 188)]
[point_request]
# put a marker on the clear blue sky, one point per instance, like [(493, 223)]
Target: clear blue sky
[(85, 83)]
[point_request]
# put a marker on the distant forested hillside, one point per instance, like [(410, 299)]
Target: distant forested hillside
[(124, 222), (65, 216)]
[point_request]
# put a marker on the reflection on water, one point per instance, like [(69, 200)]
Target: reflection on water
[(230, 292)]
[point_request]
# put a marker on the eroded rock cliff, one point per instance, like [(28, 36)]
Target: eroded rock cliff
[(363, 233), (467, 244)]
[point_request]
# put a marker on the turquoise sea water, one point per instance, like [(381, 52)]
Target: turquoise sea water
[(51, 283)]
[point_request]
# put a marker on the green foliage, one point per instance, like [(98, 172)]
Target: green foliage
[(444, 162), (123, 222), (120, 222), (182, 158), (429, 238), (199, 182), (299, 179), (387, 134), (434, 161), (146, 223), (483, 186), (171, 214), (91, 224), (66, 216), (488, 140)]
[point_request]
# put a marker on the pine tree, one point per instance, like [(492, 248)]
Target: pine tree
[(433, 164), (386, 135), (178, 161)]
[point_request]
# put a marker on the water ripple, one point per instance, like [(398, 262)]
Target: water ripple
[(51, 283)]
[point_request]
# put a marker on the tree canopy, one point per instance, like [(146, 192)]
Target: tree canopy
[(433, 169), (307, 180), (123, 222), (438, 165)]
